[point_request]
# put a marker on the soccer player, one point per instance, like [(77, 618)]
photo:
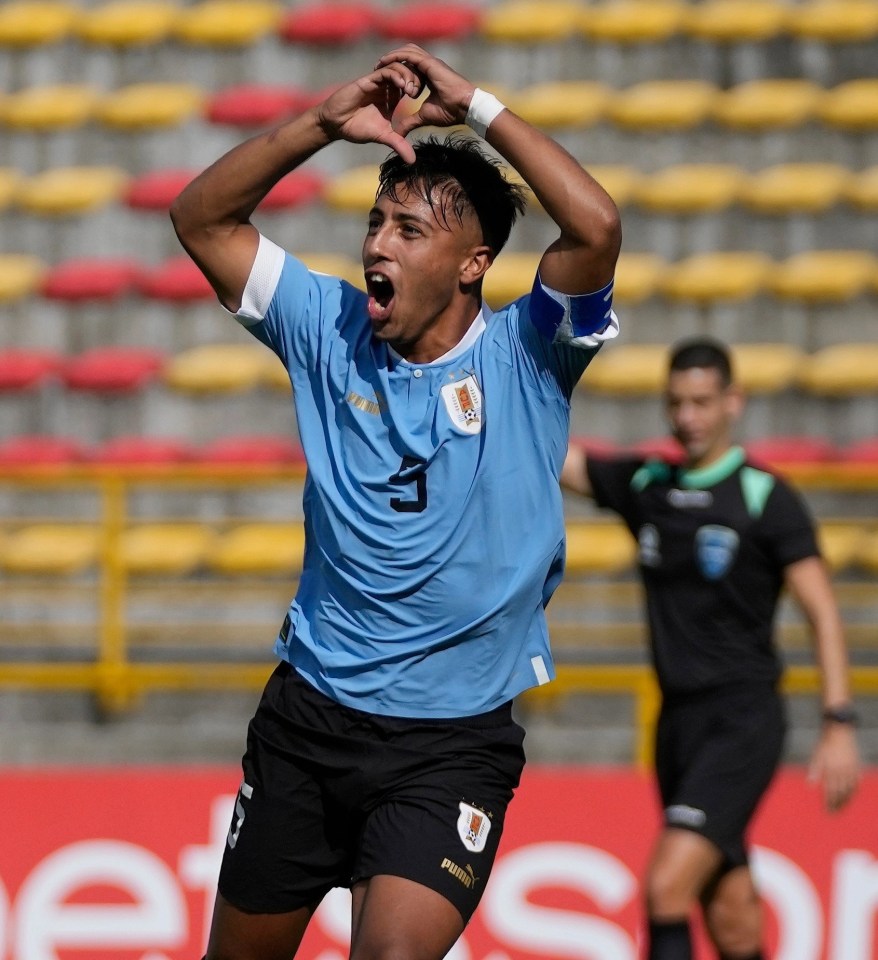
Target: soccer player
[(383, 753), (719, 537)]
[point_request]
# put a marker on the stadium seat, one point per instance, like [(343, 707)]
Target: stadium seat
[(861, 451), (735, 21), (27, 369), (867, 552), (851, 106), (843, 369), (126, 23), (593, 548), (143, 106), (253, 105), (690, 188), (84, 279), (637, 277), (353, 190), (295, 190), (136, 450), (834, 21), (841, 543), (218, 368), (662, 448), (710, 277), (71, 191), (29, 23), (632, 21), (764, 368), (634, 369), (32, 449), (561, 104), (595, 446), (20, 276), (242, 450), (49, 549), (58, 107), (531, 21), (157, 189), (794, 188), (767, 105), (662, 105), (328, 24), (511, 276), (226, 23), (335, 265), (259, 549), (861, 189), (169, 549), (784, 450), (618, 179), (428, 22), (822, 276), (111, 369), (177, 280), (10, 180)]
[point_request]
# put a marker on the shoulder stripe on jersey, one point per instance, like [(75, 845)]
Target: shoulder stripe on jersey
[(756, 487), (653, 471)]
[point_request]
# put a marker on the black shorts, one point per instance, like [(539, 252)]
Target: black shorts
[(333, 795), (716, 753)]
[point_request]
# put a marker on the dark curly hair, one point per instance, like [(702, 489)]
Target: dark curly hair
[(454, 175)]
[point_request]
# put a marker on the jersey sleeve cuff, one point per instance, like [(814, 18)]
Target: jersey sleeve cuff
[(261, 284)]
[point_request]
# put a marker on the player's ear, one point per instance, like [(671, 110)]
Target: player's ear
[(735, 401), (476, 265)]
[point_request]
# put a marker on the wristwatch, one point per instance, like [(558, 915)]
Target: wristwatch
[(841, 715)]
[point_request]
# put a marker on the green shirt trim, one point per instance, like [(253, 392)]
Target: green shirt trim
[(712, 474)]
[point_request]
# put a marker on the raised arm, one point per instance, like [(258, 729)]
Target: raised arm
[(212, 214), (583, 257), (835, 761)]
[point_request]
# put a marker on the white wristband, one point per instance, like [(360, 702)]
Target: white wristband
[(483, 108)]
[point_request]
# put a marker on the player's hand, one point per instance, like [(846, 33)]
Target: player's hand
[(362, 111), (835, 765), (449, 92)]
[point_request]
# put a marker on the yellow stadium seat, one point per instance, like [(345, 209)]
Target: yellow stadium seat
[(165, 548), (218, 368), (843, 369), (511, 276), (69, 191), (766, 367), (226, 22), (353, 190), (144, 105), (767, 104), (618, 179), (689, 188), (637, 277), (708, 277), (662, 104), (50, 549), (29, 23), (276, 377), (599, 548), (259, 549), (631, 369), (794, 188), (851, 106), (861, 189), (561, 104), (125, 23), (531, 21), (834, 21), (735, 21), (841, 543), (821, 276), (336, 265), (867, 552), (49, 108), (10, 181), (632, 21), (20, 275)]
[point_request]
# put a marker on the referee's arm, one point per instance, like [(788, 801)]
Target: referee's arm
[(574, 473)]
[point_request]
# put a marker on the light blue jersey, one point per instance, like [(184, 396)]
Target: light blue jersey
[(434, 523)]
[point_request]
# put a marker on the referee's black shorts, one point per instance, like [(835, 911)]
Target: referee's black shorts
[(333, 795), (716, 753)]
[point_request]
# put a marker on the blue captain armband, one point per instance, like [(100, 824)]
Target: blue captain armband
[(584, 319)]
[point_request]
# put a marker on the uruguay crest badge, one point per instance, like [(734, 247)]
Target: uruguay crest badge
[(463, 401), (473, 826)]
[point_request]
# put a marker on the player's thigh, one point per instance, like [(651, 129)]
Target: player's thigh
[(237, 935), (399, 919)]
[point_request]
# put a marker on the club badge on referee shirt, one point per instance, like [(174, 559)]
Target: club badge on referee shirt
[(463, 401), (473, 826)]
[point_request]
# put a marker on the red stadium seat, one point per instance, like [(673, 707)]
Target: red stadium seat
[(427, 22), (158, 189), (112, 369), (781, 450), (664, 448), (254, 105), (27, 369), (328, 23), (176, 280), (142, 450), (37, 448), (252, 449), (295, 190), (597, 446), (863, 451), (90, 279)]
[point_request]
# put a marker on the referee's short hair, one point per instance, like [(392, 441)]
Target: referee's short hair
[(704, 352), (455, 175)]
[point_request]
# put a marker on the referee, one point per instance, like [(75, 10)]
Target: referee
[(719, 537)]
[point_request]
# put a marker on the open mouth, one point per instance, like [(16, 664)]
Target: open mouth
[(381, 293)]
